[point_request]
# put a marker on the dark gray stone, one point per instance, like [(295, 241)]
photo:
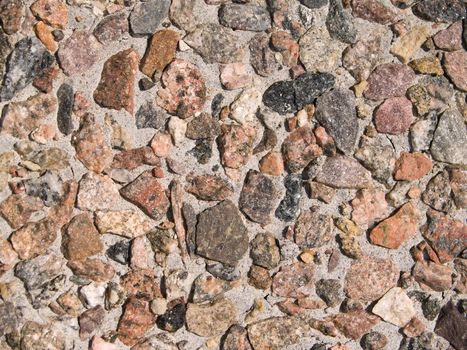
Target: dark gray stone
[(5, 48), (431, 307), (329, 291), (264, 251), (38, 271), (335, 111), (9, 318), (314, 4), (65, 96), (202, 150), (119, 252), (228, 273), (451, 325), (288, 207), (147, 16), (261, 56), (339, 23), (244, 17), (148, 117), (440, 10), (280, 97)]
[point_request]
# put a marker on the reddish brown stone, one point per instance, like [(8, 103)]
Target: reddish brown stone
[(272, 164), (148, 194), (448, 237), (81, 239), (43, 81), (325, 141), (141, 283), (116, 89), (90, 321), (90, 145), (111, 28), (449, 39), (283, 42), (293, 281), (370, 278), (209, 187), (412, 166), (135, 321), (343, 172), (458, 182), (433, 276), (259, 277), (160, 51), (184, 92), (395, 230), (354, 324), (236, 145), (455, 65), (368, 206), (389, 80), (7, 256), (94, 269), (394, 116), (312, 229), (52, 12), (11, 15), (18, 208), (300, 148), (414, 328), (133, 158), (373, 11)]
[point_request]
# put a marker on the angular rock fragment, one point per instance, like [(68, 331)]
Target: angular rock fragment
[(208, 288), (244, 17), (127, 223), (373, 11), (182, 14), (455, 65), (339, 23), (343, 172), (293, 281), (65, 96), (440, 10), (52, 12), (11, 15), (412, 166), (147, 16), (236, 339), (208, 320), (90, 321), (96, 192), (451, 324), (394, 116), (210, 188), (388, 80), (160, 51), (432, 276), (312, 229), (174, 318), (264, 251), (38, 271), (111, 28), (135, 321), (289, 206), (406, 45), (18, 208), (236, 145), (368, 206), (261, 56), (93, 269), (81, 238), (300, 148), (395, 307), (42, 336), (449, 39), (355, 324)]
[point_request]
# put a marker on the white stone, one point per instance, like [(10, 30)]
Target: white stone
[(177, 129), (127, 223), (97, 192), (395, 307), (159, 306), (92, 294), (243, 109)]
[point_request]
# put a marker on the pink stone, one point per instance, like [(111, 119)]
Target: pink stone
[(161, 144), (368, 206), (97, 343), (455, 64), (394, 116), (389, 80), (235, 75), (412, 166), (449, 39)]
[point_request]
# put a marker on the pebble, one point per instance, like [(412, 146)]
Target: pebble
[(118, 74), (289, 205), (184, 92), (374, 341), (136, 320), (236, 145), (24, 63), (210, 188), (92, 269), (394, 116), (335, 110), (259, 277), (455, 65), (360, 58), (17, 209), (90, 145), (96, 192), (449, 39), (412, 166), (141, 283), (90, 321), (221, 234), (111, 28), (370, 278), (397, 229), (389, 80), (44, 34), (458, 186), (262, 58), (119, 252), (81, 238), (329, 291), (215, 43), (395, 307), (414, 328), (354, 324), (377, 156), (146, 16), (160, 52), (245, 106), (65, 96), (339, 23), (208, 288), (36, 336), (208, 320), (369, 205), (264, 250), (257, 197), (343, 172), (174, 318), (36, 272), (248, 17), (148, 117), (294, 280), (127, 223), (450, 139), (52, 12), (98, 343), (373, 11), (440, 10), (148, 194), (78, 53), (407, 45), (203, 126), (450, 325), (272, 164), (12, 14), (299, 148), (182, 14), (134, 158), (234, 76), (427, 65), (318, 52), (236, 339), (313, 229)]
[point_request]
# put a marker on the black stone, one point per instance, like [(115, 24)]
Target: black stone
[(119, 252), (173, 319), (148, 117), (146, 84), (288, 207), (202, 151), (280, 97), (216, 105), (65, 96), (451, 325), (440, 10), (339, 23), (224, 272), (314, 4)]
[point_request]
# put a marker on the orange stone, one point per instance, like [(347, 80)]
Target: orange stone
[(272, 164), (45, 36), (160, 51), (52, 12), (412, 166)]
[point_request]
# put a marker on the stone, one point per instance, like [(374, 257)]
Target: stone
[(134, 158), (280, 97), (244, 108), (293, 281), (236, 338), (148, 117), (427, 65), (395, 307), (414, 328), (78, 53), (374, 341), (354, 324), (281, 332), (450, 325), (370, 278), (10, 318), (343, 172), (244, 17), (369, 205), (221, 234), (412, 166), (97, 343), (7, 257), (36, 272), (448, 237), (449, 39), (432, 276), (257, 197), (47, 188), (272, 164), (25, 62), (394, 116), (119, 252), (93, 269), (309, 86), (70, 303), (44, 34), (146, 16), (440, 10), (318, 52), (455, 65), (11, 15), (458, 184), (373, 11), (141, 283), (407, 44), (174, 317), (184, 92), (21, 118), (203, 126), (388, 80), (210, 188), (398, 228), (52, 12), (335, 111), (450, 139), (182, 14), (329, 291), (289, 205), (299, 148), (264, 250), (81, 238), (17, 209), (360, 58), (161, 144), (211, 319), (208, 288), (118, 74), (42, 336), (90, 321), (261, 56), (92, 294), (234, 76), (312, 229), (47, 159), (65, 96), (96, 192), (314, 4), (215, 43), (236, 145), (127, 223), (259, 277), (321, 192), (160, 51), (90, 145), (136, 320), (437, 192), (111, 28), (339, 23)]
